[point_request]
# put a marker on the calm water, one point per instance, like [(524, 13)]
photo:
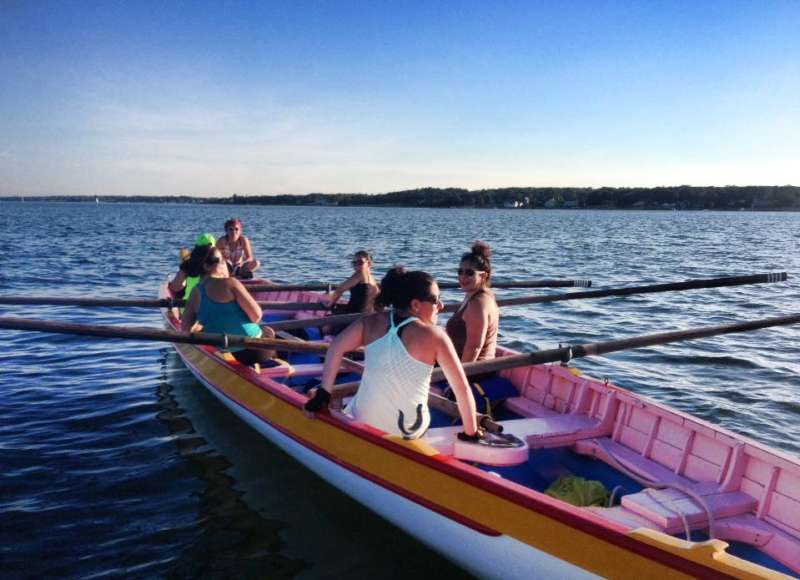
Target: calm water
[(114, 461)]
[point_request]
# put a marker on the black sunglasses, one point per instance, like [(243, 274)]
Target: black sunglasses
[(467, 271), (433, 299)]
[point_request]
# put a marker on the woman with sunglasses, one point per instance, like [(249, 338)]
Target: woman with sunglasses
[(237, 251), (473, 327), (362, 286), (401, 347), (221, 304)]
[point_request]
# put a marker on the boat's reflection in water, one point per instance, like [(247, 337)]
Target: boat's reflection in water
[(262, 514)]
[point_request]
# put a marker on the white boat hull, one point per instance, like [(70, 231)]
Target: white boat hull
[(500, 557)]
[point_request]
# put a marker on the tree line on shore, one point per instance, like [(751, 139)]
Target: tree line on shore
[(682, 197)]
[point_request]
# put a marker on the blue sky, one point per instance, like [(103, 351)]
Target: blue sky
[(216, 98)]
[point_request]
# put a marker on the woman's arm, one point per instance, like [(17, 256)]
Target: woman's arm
[(248, 249), (344, 287), (245, 300), (189, 316), (454, 373), (349, 339), (178, 283), (476, 320)]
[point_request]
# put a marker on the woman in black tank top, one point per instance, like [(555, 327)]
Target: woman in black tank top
[(362, 286)]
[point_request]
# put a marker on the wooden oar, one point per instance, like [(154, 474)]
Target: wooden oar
[(137, 303), (578, 283), (668, 287), (156, 334), (650, 289), (564, 354)]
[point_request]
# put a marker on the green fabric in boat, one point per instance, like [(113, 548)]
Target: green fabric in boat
[(578, 491)]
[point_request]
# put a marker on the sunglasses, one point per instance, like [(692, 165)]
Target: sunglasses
[(359, 262), (433, 299), (467, 271), (232, 229)]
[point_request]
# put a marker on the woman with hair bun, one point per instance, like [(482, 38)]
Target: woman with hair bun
[(473, 327), (401, 347)]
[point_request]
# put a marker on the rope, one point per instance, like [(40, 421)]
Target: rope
[(655, 485), (651, 493), (613, 495)]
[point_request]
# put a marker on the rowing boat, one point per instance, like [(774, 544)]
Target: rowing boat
[(689, 499)]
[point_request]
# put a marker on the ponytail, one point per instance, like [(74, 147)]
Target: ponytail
[(399, 287)]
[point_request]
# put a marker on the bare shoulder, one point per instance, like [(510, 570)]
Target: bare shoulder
[(352, 280), (427, 332), (485, 297), (375, 321), (483, 302), (374, 325), (234, 284)]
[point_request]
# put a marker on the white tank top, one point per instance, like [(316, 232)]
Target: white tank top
[(392, 381)]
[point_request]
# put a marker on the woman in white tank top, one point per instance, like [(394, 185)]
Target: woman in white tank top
[(401, 347)]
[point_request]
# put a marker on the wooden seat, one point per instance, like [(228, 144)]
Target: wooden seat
[(668, 508), (528, 408)]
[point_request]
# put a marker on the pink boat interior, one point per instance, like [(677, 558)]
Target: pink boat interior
[(667, 470)]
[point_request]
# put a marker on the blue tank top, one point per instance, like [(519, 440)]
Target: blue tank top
[(225, 318)]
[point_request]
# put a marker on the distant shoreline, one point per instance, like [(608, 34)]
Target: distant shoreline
[(681, 198)]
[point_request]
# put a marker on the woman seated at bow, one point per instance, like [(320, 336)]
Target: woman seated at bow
[(401, 347), (237, 251), (473, 327), (221, 304)]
